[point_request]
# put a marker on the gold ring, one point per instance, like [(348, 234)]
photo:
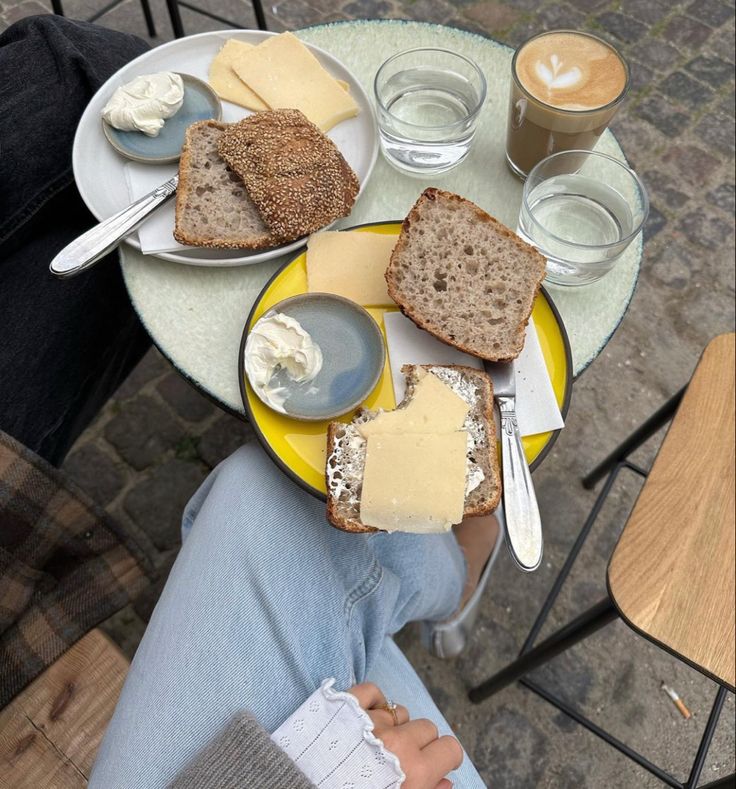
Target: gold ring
[(389, 706)]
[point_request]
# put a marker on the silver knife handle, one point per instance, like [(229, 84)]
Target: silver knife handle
[(523, 524), (86, 250)]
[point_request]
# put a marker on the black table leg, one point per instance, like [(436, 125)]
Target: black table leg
[(146, 6), (709, 731), (729, 782), (56, 7), (260, 16), (175, 17), (635, 440), (581, 627)]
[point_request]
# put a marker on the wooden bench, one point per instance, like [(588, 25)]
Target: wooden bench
[(50, 733)]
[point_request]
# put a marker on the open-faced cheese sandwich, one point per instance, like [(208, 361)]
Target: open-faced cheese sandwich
[(422, 467)]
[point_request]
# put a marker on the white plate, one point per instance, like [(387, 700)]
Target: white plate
[(99, 170)]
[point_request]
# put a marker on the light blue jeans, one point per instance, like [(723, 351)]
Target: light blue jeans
[(265, 601)]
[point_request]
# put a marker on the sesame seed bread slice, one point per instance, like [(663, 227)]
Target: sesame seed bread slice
[(213, 208), (294, 173), (464, 277), (346, 448)]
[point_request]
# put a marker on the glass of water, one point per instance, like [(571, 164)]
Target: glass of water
[(428, 101), (581, 209)]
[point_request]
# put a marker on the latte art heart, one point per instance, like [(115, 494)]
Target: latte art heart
[(556, 76), (571, 71)]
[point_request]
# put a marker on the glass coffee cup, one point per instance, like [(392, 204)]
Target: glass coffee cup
[(565, 88)]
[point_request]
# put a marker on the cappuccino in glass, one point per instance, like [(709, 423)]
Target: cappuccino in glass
[(565, 88)]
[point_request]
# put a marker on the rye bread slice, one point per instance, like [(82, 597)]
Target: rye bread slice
[(346, 448), (294, 173), (464, 277), (213, 208)]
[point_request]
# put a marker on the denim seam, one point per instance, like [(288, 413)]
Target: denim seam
[(368, 585)]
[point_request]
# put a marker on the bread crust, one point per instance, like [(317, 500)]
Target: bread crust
[(263, 241), (434, 194), (333, 516), (354, 525), (489, 414)]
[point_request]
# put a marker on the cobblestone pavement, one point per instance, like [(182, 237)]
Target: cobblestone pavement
[(157, 438)]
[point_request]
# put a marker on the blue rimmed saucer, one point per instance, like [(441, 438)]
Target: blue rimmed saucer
[(353, 356), (201, 103)]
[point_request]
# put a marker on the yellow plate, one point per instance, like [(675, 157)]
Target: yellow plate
[(299, 448)]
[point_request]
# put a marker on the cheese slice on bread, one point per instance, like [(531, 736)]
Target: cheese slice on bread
[(414, 482), (409, 464), (464, 277)]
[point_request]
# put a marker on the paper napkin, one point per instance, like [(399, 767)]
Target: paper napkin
[(156, 234), (536, 405)]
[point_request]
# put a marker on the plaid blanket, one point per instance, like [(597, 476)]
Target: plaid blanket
[(65, 566)]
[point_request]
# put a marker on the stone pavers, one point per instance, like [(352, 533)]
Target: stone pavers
[(157, 438)]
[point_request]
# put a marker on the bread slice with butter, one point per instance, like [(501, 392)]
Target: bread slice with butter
[(461, 275), (425, 448)]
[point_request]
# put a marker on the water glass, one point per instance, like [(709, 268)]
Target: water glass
[(428, 101), (581, 209)]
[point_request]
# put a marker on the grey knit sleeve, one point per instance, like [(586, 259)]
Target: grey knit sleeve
[(241, 757)]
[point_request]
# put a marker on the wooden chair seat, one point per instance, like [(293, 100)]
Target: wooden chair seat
[(672, 575), (50, 733)]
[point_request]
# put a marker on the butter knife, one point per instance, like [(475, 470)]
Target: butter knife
[(523, 524), (93, 245)]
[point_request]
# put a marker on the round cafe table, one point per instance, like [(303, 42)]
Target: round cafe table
[(196, 315)]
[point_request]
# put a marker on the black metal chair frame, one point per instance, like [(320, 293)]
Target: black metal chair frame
[(178, 26), (57, 8), (587, 623)]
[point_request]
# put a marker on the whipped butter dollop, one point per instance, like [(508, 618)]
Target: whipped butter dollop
[(145, 103), (278, 341)]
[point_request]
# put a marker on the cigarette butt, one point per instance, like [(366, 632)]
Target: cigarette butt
[(679, 703)]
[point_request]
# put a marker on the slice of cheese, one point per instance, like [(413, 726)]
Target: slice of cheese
[(414, 483), (285, 74), (350, 264), (433, 408), (226, 83)]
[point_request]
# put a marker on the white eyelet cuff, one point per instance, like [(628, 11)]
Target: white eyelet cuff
[(330, 738)]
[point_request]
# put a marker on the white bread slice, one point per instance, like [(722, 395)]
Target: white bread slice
[(346, 448), (464, 277)]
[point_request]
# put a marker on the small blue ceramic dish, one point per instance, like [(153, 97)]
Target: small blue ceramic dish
[(200, 104), (353, 356)]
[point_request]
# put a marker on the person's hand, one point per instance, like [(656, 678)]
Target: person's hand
[(424, 756)]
